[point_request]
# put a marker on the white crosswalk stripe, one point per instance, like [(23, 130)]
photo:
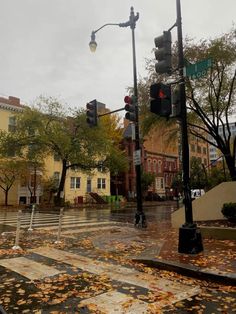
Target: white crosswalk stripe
[(50, 221), (165, 291)]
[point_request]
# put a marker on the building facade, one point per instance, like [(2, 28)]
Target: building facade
[(161, 156), (78, 184)]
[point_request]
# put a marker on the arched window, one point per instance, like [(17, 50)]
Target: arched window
[(149, 165), (155, 166)]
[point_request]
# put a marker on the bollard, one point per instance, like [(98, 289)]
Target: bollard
[(59, 226), (16, 246), (2, 311), (31, 218)]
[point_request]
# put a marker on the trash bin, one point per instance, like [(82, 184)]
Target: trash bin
[(80, 199)]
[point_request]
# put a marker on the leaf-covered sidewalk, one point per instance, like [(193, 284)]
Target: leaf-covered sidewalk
[(120, 245)]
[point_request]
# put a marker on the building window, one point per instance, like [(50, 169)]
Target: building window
[(12, 124), (157, 183), (159, 166), (162, 183), (101, 183), (204, 150), (199, 149), (149, 169), (155, 166), (56, 177), (192, 147), (74, 182), (101, 167)]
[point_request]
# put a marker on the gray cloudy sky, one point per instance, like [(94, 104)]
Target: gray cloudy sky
[(44, 44)]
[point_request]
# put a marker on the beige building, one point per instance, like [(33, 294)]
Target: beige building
[(78, 185)]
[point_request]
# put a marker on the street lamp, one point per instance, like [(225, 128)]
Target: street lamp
[(140, 219)]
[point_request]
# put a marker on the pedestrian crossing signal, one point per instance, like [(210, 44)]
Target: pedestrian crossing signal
[(160, 95)]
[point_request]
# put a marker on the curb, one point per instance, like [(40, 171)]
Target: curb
[(190, 270)]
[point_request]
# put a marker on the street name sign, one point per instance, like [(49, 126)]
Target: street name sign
[(198, 69)]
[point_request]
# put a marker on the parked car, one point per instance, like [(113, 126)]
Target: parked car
[(196, 193)]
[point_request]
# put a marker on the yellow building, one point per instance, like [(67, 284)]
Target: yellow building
[(78, 185)]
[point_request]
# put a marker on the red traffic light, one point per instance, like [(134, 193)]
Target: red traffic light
[(162, 94), (128, 100)]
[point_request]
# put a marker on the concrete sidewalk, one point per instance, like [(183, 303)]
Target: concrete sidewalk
[(157, 246)]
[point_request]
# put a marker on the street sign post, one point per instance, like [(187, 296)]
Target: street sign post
[(198, 69)]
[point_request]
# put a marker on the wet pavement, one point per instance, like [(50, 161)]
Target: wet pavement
[(92, 237)]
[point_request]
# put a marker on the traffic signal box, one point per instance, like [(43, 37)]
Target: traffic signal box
[(161, 103), (163, 53), (176, 103), (91, 113), (130, 107)]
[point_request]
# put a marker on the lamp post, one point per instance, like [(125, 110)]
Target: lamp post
[(140, 219)]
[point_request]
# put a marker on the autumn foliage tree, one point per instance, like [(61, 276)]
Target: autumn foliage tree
[(211, 99), (48, 129), (10, 171)]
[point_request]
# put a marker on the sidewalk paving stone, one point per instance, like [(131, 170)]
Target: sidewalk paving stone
[(103, 264)]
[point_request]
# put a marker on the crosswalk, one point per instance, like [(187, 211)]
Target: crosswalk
[(50, 221), (160, 291)]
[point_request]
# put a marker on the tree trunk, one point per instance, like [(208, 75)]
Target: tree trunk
[(58, 199), (6, 197), (231, 166)]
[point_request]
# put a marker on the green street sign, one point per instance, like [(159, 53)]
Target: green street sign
[(198, 69)]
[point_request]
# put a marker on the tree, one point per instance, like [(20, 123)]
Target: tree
[(147, 179), (48, 128), (211, 100), (10, 171), (50, 186), (116, 159), (198, 178), (217, 175), (33, 171)]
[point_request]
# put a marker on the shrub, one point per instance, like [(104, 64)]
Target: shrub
[(229, 211)]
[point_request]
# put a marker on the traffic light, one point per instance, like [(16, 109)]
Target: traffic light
[(176, 104), (160, 99), (130, 107), (163, 53), (91, 113)]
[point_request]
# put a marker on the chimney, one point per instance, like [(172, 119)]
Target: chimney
[(14, 101)]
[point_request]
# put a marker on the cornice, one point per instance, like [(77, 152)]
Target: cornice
[(11, 107)]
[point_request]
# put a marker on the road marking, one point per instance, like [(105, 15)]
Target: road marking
[(87, 224), (50, 221), (115, 302), (101, 228), (28, 268), (176, 291)]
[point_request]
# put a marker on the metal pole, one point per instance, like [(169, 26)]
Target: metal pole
[(190, 240), (16, 246), (59, 226), (140, 219), (31, 218)]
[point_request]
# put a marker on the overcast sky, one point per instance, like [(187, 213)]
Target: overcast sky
[(44, 44)]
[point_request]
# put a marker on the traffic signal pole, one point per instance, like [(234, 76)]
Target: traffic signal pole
[(190, 240), (140, 219)]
